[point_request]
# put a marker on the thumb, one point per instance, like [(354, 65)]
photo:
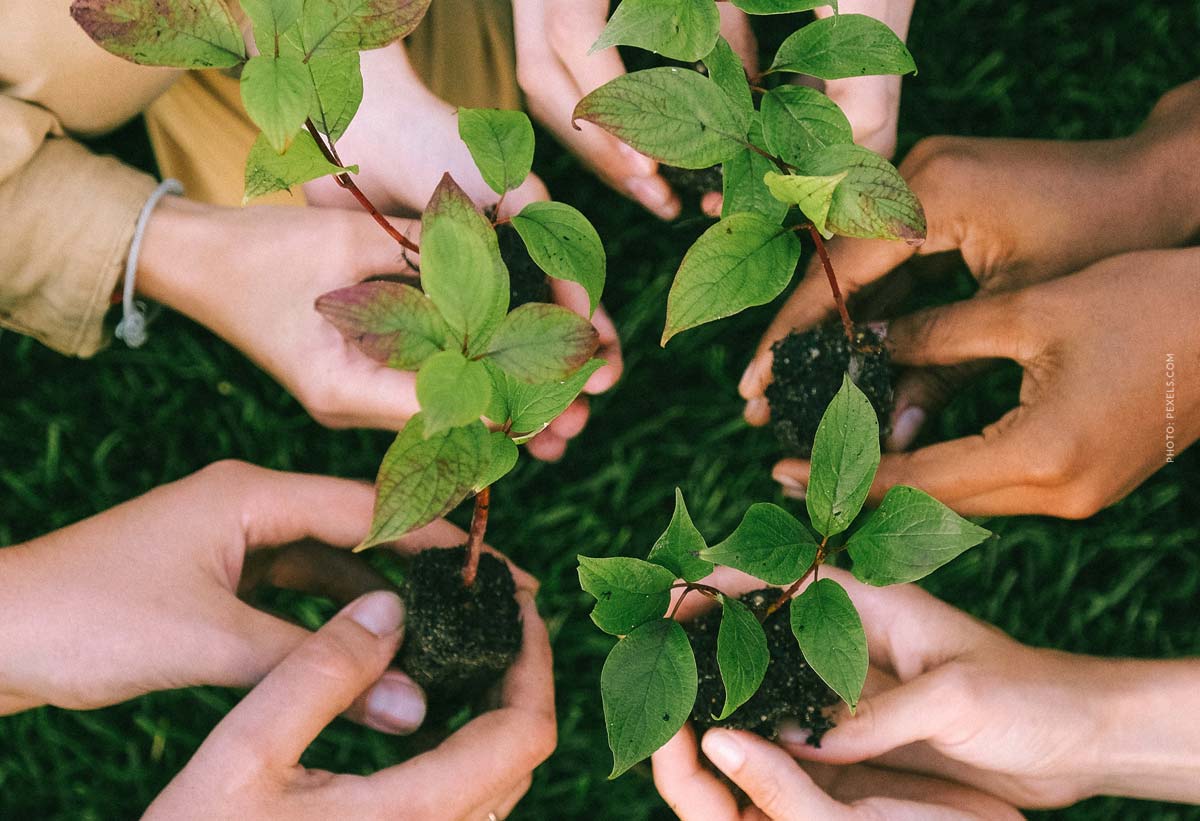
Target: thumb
[(378, 253), (316, 682), (922, 392), (770, 777), (989, 327)]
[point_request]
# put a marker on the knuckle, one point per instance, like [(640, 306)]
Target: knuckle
[(768, 795), (227, 471), (1079, 501), (937, 162), (957, 687), (334, 655)]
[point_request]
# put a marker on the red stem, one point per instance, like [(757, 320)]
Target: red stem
[(345, 181), (791, 591), (479, 520), (847, 325)]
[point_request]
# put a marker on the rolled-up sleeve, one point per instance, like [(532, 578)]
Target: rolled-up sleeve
[(67, 219)]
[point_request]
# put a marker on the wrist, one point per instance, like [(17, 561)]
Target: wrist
[(1149, 742), (179, 234)]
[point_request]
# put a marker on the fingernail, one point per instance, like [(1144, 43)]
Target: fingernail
[(792, 488), (642, 165), (723, 750), (653, 193), (908, 425), (790, 733), (380, 612), (396, 704), (880, 329)]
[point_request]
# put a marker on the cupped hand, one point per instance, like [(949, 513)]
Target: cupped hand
[(249, 766), (1100, 350), (780, 789), (1019, 212), (143, 597)]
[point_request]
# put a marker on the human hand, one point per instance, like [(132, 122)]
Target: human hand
[(1097, 349), (249, 766), (1019, 212), (780, 789), (143, 597)]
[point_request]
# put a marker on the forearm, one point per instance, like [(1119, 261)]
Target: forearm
[(1168, 154), (18, 597), (1151, 746)]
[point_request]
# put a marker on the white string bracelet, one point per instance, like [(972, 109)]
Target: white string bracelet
[(132, 328)]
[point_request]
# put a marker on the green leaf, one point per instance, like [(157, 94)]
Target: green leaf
[(268, 170), (390, 322), (743, 260), (629, 592), (873, 201), (742, 654), (781, 6), (743, 188), (452, 391), (844, 45), (338, 86), (812, 195), (680, 29), (678, 547), (562, 242), (503, 459), (677, 116), (531, 407), (909, 536), (357, 25), (648, 687), (176, 33), (422, 478), (539, 343), (845, 456), (770, 544), (726, 70), (277, 93), (832, 638), (270, 19), (798, 120), (500, 142), (461, 268)]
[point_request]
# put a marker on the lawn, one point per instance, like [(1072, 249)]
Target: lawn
[(78, 437)]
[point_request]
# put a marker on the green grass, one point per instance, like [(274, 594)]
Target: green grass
[(79, 437)]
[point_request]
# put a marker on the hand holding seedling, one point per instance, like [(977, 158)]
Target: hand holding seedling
[(249, 766), (1094, 349), (148, 592), (1019, 212), (779, 789), (952, 697)]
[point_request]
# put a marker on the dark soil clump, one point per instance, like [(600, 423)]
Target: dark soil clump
[(692, 184), (808, 370), (458, 641), (526, 281), (790, 690)]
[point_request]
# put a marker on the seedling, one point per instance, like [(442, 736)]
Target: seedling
[(789, 165), (649, 684), (472, 355)]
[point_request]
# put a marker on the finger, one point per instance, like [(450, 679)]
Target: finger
[(498, 748), (690, 790), (500, 807), (280, 507), (769, 777), (378, 253), (872, 106), (610, 351), (711, 204), (367, 394), (903, 796), (547, 447), (321, 678), (313, 568), (857, 261), (571, 422), (983, 327), (922, 392)]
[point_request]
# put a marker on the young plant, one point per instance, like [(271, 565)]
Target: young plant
[(794, 149), (473, 356), (649, 681)]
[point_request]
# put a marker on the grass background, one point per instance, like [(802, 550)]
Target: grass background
[(78, 437)]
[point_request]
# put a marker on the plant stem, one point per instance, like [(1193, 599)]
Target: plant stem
[(688, 587), (345, 181), (847, 325), (779, 163), (791, 591), (479, 518)]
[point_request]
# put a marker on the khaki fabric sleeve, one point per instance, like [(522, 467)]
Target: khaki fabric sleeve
[(66, 221)]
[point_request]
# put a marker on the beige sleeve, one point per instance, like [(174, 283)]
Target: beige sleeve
[(66, 221)]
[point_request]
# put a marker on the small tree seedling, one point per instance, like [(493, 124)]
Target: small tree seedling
[(649, 684), (473, 356), (788, 162)]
